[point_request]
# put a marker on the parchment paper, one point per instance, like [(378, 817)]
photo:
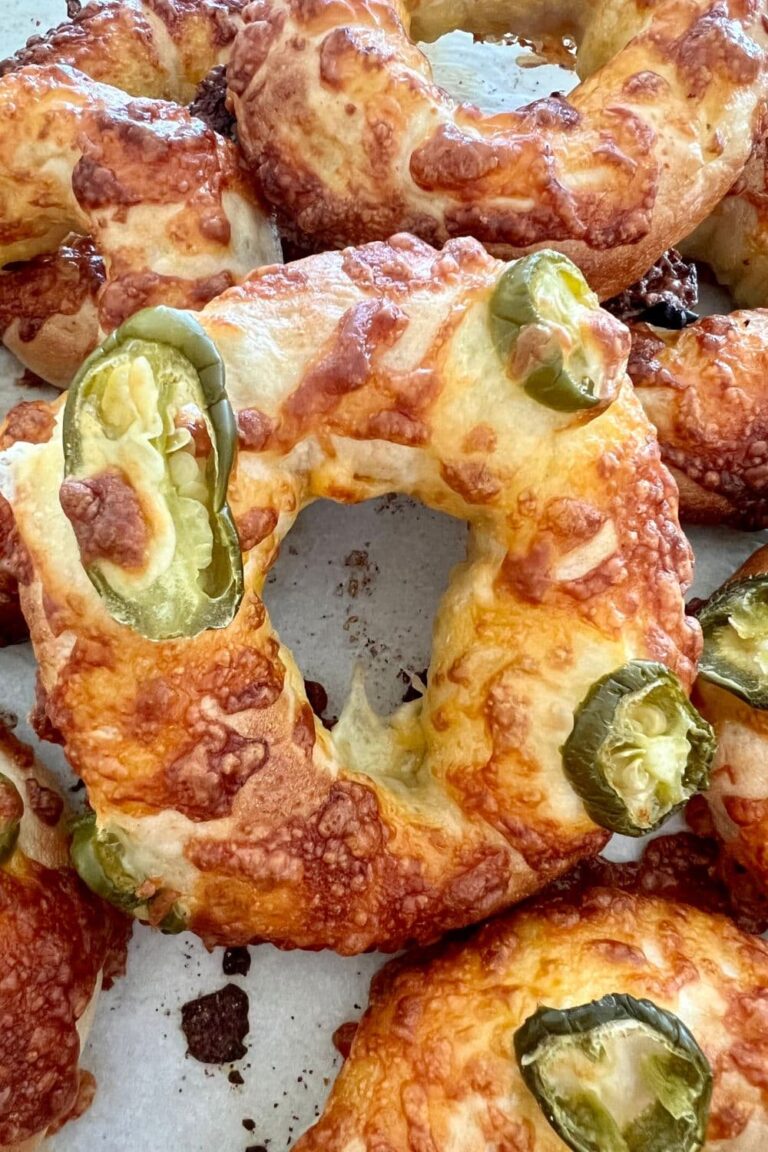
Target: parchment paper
[(351, 584)]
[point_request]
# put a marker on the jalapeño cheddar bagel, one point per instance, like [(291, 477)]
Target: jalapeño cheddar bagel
[(352, 140), (610, 1020), (733, 691), (557, 708), (150, 207), (58, 942)]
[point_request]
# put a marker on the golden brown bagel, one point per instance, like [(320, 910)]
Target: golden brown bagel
[(738, 797), (733, 240), (355, 373), (49, 315), (163, 199), (163, 48), (351, 140), (433, 1065), (31, 422), (155, 48), (705, 389), (57, 943)]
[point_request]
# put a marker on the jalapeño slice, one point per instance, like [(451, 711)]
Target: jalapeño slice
[(735, 626), (11, 812), (99, 858), (638, 749), (149, 442), (540, 302), (617, 1075)]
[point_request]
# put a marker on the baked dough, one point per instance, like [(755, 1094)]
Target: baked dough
[(156, 48), (432, 1064), (738, 796), (353, 374), (705, 389), (351, 140), (649, 197), (164, 201), (57, 943), (733, 240)]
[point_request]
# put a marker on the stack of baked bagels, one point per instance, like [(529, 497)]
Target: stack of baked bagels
[(438, 331)]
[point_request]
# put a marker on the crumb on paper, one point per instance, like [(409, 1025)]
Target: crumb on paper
[(236, 962), (216, 1025)]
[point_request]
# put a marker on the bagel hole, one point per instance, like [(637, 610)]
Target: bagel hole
[(361, 584), (498, 75)]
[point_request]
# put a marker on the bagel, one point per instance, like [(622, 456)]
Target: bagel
[(705, 388), (57, 944), (733, 240), (161, 49), (49, 314), (231, 809), (733, 690), (163, 200), (521, 1038), (351, 140)]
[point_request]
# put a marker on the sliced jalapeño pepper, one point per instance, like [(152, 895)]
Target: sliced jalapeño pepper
[(617, 1075), (638, 749), (99, 857), (735, 626), (11, 812), (537, 315), (148, 426)]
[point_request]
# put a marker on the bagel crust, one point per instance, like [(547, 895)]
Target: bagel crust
[(432, 1064), (353, 374), (733, 240), (169, 214), (705, 389), (351, 140), (57, 943), (161, 49), (737, 799), (49, 314)]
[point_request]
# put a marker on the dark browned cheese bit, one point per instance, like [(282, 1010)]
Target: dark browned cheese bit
[(216, 1025), (317, 696), (210, 104), (664, 296), (236, 962)]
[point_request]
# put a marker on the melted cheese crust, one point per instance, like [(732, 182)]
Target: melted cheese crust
[(354, 374), (432, 1064), (705, 389), (55, 938), (352, 140), (164, 200)]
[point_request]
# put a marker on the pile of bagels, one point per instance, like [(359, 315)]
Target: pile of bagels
[(266, 259)]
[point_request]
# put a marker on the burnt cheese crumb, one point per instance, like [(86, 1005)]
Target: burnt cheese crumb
[(317, 696), (318, 702), (215, 1025), (210, 104), (236, 962), (664, 296)]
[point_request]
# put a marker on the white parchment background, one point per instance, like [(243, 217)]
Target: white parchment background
[(151, 1096)]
